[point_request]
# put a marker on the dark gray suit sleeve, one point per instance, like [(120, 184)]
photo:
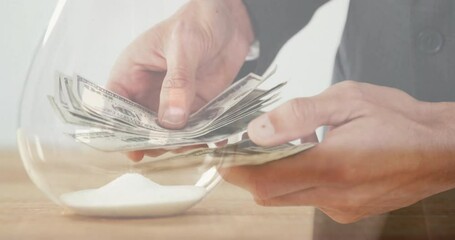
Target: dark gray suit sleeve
[(275, 22)]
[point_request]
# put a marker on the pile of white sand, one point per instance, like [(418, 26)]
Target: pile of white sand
[(133, 195)]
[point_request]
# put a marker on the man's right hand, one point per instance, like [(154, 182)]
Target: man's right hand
[(182, 63)]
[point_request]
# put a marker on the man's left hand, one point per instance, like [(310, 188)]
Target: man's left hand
[(384, 150)]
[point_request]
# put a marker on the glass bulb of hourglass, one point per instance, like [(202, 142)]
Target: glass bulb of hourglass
[(86, 37)]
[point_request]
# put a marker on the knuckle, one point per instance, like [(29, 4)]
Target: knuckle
[(301, 109), (262, 202), (187, 33), (345, 175), (250, 181), (345, 218), (177, 79), (258, 189), (354, 93), (183, 28), (233, 175), (348, 209), (343, 215), (351, 90), (347, 206)]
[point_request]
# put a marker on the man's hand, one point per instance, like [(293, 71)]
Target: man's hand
[(182, 63), (384, 151)]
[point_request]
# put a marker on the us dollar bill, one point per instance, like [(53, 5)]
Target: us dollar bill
[(242, 153), (70, 110), (107, 103), (109, 140)]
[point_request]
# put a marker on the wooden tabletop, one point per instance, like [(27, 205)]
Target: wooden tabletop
[(227, 213)]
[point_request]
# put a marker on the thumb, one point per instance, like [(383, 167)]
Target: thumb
[(178, 88), (300, 117)]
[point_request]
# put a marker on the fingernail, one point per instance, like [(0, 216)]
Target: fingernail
[(174, 117), (262, 127)]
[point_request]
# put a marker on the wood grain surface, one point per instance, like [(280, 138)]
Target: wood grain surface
[(227, 213)]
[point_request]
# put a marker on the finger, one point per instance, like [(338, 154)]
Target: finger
[(158, 152), (312, 138), (281, 177), (222, 143), (155, 152), (387, 97), (189, 148), (302, 116), (134, 70), (317, 197), (323, 198), (135, 156), (308, 197), (343, 217), (178, 89)]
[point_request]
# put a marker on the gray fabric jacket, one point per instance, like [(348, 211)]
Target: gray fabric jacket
[(406, 44)]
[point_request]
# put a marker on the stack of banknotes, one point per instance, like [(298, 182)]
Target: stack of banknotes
[(109, 122)]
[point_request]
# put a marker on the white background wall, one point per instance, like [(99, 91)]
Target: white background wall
[(306, 61)]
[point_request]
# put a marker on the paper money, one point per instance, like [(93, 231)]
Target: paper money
[(94, 108), (109, 122), (244, 152)]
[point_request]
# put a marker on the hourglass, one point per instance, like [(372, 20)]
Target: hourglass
[(77, 135)]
